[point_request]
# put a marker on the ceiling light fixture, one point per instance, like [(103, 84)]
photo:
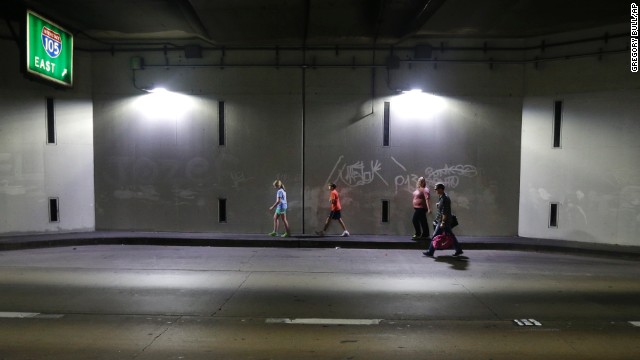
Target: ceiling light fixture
[(156, 90), (412, 91)]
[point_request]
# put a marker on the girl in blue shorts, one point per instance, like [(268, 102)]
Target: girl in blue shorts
[(281, 209)]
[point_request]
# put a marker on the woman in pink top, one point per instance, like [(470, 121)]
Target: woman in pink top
[(421, 207)]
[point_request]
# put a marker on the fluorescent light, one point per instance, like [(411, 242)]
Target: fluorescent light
[(417, 104), (412, 91), (160, 103), (157, 90)]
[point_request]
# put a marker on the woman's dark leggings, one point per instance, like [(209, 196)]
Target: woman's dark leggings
[(420, 224)]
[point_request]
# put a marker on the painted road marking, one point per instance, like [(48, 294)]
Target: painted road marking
[(314, 321), (19, 315), (28, 315), (527, 322), (635, 323), (535, 322)]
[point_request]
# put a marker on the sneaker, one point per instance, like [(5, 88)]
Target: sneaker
[(458, 253), (427, 254), (345, 233), (320, 233), (285, 235), (273, 233), (415, 237)]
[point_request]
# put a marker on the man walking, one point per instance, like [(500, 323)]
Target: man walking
[(442, 224)]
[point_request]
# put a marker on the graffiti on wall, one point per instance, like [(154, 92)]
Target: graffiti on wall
[(238, 178), (166, 179), (360, 173), (149, 171), (153, 180), (356, 174)]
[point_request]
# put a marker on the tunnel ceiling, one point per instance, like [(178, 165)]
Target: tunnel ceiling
[(255, 23)]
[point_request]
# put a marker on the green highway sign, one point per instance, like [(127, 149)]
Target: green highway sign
[(49, 50)]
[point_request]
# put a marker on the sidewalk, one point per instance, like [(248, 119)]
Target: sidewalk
[(17, 242)]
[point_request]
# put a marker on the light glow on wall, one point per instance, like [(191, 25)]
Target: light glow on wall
[(417, 104), (163, 104)]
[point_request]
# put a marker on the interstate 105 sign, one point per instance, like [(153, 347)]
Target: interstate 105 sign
[(49, 50)]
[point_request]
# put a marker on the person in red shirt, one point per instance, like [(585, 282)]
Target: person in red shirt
[(335, 214)]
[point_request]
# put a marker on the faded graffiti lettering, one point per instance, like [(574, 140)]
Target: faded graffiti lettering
[(197, 169), (626, 176), (238, 178), (356, 174), (455, 170), (448, 175), (408, 180), (360, 173), (145, 170)]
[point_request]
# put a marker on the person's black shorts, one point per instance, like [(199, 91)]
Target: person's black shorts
[(335, 215)]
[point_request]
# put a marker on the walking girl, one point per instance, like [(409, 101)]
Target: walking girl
[(281, 210)]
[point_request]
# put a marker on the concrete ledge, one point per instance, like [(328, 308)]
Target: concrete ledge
[(33, 241)]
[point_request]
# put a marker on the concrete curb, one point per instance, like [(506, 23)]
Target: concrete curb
[(35, 241)]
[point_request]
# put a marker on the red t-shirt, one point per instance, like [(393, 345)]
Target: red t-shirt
[(335, 201)]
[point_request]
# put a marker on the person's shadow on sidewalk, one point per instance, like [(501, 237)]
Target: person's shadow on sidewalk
[(456, 262)]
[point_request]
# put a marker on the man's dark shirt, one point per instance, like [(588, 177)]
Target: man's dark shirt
[(444, 208)]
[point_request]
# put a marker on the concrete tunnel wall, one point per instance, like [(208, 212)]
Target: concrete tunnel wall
[(167, 171), (158, 166), (32, 171)]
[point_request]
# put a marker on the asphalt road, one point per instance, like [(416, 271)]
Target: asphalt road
[(152, 302)]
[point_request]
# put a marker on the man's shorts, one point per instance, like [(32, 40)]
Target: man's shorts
[(281, 211), (335, 215)]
